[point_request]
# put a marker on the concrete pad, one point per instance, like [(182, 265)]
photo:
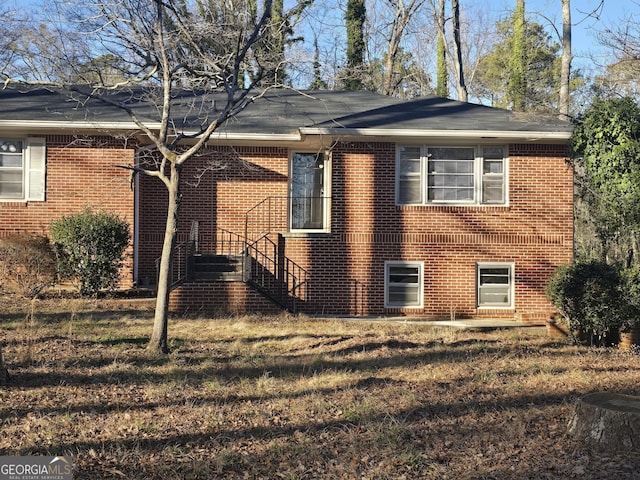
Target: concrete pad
[(470, 324)]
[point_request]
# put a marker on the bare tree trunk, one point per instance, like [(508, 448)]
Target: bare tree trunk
[(402, 17), (565, 66), (159, 342), (4, 375), (461, 87), (442, 87)]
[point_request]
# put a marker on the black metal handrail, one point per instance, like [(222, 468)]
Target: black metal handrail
[(267, 216), (278, 276), (179, 268), (264, 266)]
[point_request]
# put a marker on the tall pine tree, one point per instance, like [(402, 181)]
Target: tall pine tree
[(517, 88), (442, 87), (355, 18)]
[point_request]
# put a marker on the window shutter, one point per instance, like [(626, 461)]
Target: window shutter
[(36, 156)]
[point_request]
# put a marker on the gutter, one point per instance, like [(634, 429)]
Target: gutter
[(453, 134), (530, 135), (105, 127)]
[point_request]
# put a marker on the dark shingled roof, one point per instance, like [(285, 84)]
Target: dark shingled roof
[(282, 111)]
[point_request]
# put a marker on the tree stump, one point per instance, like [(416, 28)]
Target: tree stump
[(607, 421)]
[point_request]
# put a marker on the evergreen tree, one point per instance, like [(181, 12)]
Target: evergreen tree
[(442, 87), (318, 83), (355, 18), (495, 80), (517, 86)]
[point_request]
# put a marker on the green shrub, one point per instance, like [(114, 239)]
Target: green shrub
[(27, 264), (588, 296), (631, 296), (90, 249)]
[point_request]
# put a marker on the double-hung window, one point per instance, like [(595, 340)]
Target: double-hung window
[(451, 175), (22, 169), (403, 284), (495, 285)]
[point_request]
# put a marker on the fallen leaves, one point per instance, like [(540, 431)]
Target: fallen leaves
[(263, 398)]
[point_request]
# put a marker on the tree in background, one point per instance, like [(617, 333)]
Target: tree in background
[(565, 67), (606, 152), (516, 75), (403, 14), (279, 37), (318, 83), (458, 69), (622, 74), (355, 19), (494, 80), (442, 84), (410, 80)]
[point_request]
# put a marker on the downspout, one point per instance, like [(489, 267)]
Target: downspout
[(136, 227)]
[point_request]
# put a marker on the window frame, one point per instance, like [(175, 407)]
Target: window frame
[(480, 178), (12, 169), (480, 266), (32, 170), (387, 283), (325, 197)]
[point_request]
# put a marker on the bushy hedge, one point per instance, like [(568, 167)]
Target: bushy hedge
[(589, 296), (631, 296), (90, 249), (27, 264)]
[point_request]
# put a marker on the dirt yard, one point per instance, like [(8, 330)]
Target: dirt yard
[(298, 398)]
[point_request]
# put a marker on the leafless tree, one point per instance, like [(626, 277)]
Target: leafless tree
[(622, 41), (565, 65), (404, 11), (458, 70), (202, 60)]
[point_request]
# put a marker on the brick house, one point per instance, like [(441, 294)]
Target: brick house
[(324, 202)]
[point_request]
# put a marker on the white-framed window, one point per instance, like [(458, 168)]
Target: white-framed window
[(22, 169), (471, 175), (309, 195), (495, 285), (403, 284)]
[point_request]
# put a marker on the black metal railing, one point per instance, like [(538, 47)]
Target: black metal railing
[(264, 265), (179, 268), (270, 215), (276, 275)]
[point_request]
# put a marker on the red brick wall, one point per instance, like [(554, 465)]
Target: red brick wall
[(217, 195), (80, 173), (346, 266), (534, 231), (219, 297)]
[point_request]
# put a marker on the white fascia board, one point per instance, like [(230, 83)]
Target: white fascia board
[(103, 127), (452, 134), (258, 137)]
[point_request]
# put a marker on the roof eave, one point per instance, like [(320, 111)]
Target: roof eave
[(220, 135), (528, 135)]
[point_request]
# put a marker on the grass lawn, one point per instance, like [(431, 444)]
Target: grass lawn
[(297, 398)]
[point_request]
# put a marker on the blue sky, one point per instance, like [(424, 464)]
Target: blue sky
[(585, 28), (585, 43)]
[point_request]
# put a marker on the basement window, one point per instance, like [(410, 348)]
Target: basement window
[(495, 285), (403, 284)]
